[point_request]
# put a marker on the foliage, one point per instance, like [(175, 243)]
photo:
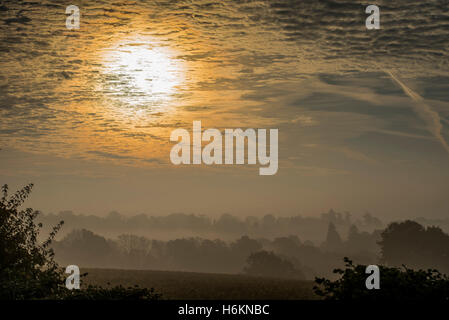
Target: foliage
[(416, 246), (395, 284), (27, 267)]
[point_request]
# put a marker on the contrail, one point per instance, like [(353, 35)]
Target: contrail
[(424, 111)]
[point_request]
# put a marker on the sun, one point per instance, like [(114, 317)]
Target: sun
[(141, 74)]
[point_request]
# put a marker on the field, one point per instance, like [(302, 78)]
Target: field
[(193, 286)]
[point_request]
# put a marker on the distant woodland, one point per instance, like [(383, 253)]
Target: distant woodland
[(293, 247)]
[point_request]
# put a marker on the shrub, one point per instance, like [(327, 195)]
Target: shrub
[(395, 284), (27, 267), (268, 264)]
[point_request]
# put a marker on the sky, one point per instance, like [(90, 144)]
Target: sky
[(363, 115)]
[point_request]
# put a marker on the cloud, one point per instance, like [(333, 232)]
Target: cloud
[(110, 155), (409, 28), (424, 111), (299, 65)]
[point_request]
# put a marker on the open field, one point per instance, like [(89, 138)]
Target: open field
[(190, 285)]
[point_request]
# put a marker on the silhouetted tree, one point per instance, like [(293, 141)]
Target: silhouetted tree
[(412, 244), (27, 267), (268, 264), (136, 251), (288, 246), (395, 284), (333, 240), (86, 249), (243, 247), (362, 242), (371, 221)]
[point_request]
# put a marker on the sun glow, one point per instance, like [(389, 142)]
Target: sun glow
[(142, 74)]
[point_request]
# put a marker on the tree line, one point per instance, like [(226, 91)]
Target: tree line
[(226, 226), (406, 242)]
